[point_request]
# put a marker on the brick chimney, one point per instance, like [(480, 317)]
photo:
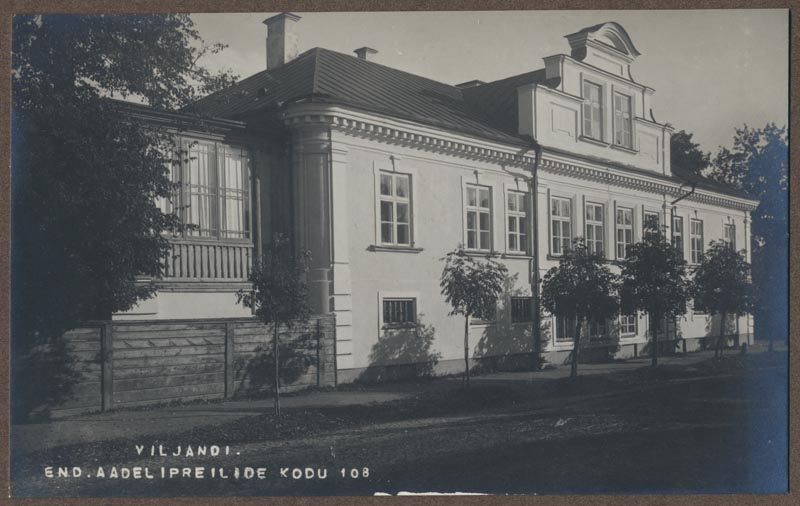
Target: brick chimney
[(365, 53), (281, 39)]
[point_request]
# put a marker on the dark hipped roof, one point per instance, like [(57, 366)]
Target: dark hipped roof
[(703, 183), (321, 75), (324, 76)]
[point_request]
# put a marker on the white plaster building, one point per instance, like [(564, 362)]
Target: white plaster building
[(379, 173)]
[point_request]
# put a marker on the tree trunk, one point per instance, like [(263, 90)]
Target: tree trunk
[(277, 370), (576, 344), (721, 339), (654, 340)]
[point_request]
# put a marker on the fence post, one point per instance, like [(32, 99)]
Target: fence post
[(107, 366), (229, 359)]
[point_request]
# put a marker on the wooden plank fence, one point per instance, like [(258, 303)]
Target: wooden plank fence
[(133, 363)]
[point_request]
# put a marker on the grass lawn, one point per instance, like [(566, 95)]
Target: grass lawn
[(716, 426)]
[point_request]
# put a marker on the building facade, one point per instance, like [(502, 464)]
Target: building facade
[(379, 173)]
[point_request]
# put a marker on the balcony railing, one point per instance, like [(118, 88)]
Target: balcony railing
[(208, 261)]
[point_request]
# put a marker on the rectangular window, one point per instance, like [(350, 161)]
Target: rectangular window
[(623, 121), (395, 203), (234, 190), (624, 231), (517, 222), (598, 330), (479, 218), (560, 224), (652, 222), (729, 231), (216, 179), (677, 233), (627, 324), (595, 233), (399, 312), (565, 329), (201, 189), (696, 240), (592, 111), (521, 309)]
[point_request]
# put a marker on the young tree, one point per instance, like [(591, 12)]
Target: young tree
[(471, 287), (580, 288), (721, 286), (279, 295), (85, 225), (653, 280), (686, 155), (758, 163)]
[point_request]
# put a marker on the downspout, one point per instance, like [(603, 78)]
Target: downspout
[(533, 185), (683, 234), (672, 207)]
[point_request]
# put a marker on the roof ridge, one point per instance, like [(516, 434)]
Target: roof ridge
[(314, 88), (393, 69)]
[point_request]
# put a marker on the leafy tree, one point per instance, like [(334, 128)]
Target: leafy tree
[(653, 280), (279, 295), (721, 285), (687, 155), (471, 287), (85, 226), (758, 163), (580, 288)]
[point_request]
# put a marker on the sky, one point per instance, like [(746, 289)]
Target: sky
[(713, 70)]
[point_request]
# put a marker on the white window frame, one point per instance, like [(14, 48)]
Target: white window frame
[(624, 228), (395, 201), (620, 121), (562, 239), (478, 210), (696, 245), (216, 191), (562, 328), (597, 330), (678, 234), (650, 214), (520, 219), (592, 108), (729, 234), (623, 325), (595, 226), (397, 295)]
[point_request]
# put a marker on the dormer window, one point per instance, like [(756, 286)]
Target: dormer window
[(623, 121), (592, 111)]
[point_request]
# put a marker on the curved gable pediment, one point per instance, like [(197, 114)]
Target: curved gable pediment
[(609, 34)]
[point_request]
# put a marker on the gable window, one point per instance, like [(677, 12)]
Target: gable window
[(623, 121), (592, 111), (594, 228), (517, 221), (677, 234), (217, 191), (729, 235), (624, 231), (479, 218), (652, 222), (399, 312), (696, 240), (521, 309), (627, 325), (395, 205), (560, 224)]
